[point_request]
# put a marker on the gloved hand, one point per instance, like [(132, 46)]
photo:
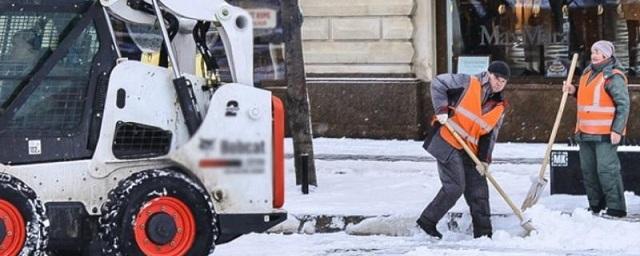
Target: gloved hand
[(569, 88), (442, 118), (483, 167), (615, 138)]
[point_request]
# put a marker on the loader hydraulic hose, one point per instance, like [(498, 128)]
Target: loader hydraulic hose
[(200, 37)]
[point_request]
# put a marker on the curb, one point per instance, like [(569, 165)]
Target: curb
[(391, 225)]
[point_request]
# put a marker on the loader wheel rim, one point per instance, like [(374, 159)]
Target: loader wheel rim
[(3, 230), (161, 228), (14, 234), (155, 211)]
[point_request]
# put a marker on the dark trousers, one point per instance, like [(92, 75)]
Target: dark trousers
[(459, 177), (601, 173)]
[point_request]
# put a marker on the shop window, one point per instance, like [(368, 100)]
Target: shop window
[(268, 44), (537, 37)]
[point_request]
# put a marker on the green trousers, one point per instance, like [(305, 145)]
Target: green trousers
[(601, 172)]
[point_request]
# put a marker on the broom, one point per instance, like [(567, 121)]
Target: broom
[(540, 182)]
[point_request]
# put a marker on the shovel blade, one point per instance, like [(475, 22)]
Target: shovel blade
[(528, 227), (534, 193)]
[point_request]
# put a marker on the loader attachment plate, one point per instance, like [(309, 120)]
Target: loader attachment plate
[(235, 225)]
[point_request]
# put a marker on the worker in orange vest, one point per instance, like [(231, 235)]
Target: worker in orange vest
[(603, 110), (474, 106)]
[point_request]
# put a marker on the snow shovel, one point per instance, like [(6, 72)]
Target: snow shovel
[(525, 223), (540, 182)]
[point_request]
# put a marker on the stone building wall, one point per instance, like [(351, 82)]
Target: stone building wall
[(370, 63), (358, 36)]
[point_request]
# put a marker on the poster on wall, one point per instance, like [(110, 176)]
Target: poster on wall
[(472, 65), (556, 68)]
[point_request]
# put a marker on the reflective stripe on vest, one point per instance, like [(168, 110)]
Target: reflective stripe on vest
[(596, 108), (468, 120), (463, 133), (484, 125)]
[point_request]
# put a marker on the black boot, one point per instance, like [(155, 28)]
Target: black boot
[(479, 234), (430, 228), (595, 210), (616, 213)]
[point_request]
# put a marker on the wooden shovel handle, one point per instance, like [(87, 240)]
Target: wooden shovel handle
[(487, 174), (554, 131)]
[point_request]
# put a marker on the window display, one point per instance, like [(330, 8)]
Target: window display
[(537, 37)]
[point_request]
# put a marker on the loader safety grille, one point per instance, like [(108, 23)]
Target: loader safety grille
[(133, 140), (27, 39)]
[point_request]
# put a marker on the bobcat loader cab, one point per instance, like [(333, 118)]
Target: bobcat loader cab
[(104, 155)]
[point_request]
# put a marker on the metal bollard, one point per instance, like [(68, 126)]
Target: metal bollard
[(304, 159)]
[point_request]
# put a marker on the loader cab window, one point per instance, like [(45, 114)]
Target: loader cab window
[(140, 42), (55, 59), (26, 41)]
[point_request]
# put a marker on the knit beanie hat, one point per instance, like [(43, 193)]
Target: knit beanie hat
[(500, 68), (605, 47)]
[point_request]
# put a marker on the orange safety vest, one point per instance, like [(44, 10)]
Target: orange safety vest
[(596, 109), (469, 121)]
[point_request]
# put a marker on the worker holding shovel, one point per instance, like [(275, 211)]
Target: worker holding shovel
[(472, 107), (603, 109)]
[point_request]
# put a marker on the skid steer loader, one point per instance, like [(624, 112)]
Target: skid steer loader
[(104, 155)]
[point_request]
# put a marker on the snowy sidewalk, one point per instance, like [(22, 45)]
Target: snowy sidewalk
[(383, 193), (381, 186)]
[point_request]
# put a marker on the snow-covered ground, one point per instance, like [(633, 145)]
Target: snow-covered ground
[(399, 179)]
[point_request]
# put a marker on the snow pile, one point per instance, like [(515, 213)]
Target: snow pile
[(390, 226), (576, 233)]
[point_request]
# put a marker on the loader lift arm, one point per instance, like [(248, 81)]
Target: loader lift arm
[(236, 34), (234, 24)]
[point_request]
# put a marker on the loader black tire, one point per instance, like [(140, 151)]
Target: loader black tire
[(120, 211), (15, 194)]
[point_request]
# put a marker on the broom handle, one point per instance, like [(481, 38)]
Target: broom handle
[(554, 131), (487, 174)]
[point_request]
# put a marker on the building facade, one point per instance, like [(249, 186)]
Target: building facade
[(369, 62)]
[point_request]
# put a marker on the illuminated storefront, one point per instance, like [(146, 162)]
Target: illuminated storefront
[(536, 37)]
